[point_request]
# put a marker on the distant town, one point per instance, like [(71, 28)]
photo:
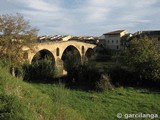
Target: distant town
[(115, 40)]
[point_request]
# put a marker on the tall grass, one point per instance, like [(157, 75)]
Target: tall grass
[(22, 101), (102, 105)]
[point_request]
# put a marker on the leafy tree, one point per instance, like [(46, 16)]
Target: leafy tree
[(143, 58), (40, 71), (15, 34), (71, 62)]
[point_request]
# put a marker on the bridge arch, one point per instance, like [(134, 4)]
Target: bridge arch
[(71, 49), (89, 53), (42, 54), (71, 56)]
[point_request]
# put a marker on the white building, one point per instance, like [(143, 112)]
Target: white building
[(112, 40), (66, 38)]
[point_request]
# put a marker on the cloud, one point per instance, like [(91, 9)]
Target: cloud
[(40, 5), (86, 17), (126, 14)]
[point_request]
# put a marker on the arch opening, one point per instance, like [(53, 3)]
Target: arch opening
[(71, 57), (57, 52), (90, 53), (82, 50), (43, 54)]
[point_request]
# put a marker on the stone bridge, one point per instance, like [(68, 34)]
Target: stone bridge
[(56, 49)]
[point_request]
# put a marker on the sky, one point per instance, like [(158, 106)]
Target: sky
[(86, 17)]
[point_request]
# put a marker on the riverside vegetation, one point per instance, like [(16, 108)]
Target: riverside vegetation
[(127, 83), (35, 101)]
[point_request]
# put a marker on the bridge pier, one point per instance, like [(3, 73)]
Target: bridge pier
[(59, 66)]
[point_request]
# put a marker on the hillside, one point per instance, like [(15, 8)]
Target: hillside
[(28, 101)]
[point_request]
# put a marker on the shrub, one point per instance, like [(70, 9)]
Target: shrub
[(88, 77), (122, 76), (40, 71), (71, 62), (11, 108), (5, 108), (104, 83)]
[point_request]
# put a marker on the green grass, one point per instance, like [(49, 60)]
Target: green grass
[(106, 105), (28, 101), (20, 100)]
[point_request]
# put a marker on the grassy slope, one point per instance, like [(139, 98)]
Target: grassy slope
[(20, 100), (105, 106), (46, 101)]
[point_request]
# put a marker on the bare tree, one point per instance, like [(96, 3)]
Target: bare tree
[(15, 34)]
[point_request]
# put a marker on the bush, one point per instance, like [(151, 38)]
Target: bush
[(5, 108), (104, 83), (87, 76), (11, 108), (143, 59), (39, 71), (121, 75), (71, 62)]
